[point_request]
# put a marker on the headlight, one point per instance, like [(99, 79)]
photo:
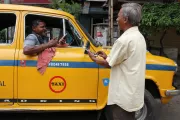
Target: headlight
[(176, 67)]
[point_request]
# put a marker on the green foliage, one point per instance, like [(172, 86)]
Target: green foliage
[(157, 17), (67, 6)]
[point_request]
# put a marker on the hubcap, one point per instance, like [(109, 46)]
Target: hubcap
[(142, 113)]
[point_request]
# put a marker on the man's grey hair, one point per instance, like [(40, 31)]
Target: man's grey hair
[(35, 23), (132, 11)]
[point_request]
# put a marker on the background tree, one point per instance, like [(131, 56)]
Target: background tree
[(68, 6), (158, 17)]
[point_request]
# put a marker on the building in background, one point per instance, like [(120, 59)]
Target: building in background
[(94, 16), (28, 1)]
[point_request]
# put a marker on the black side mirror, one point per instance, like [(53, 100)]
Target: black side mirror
[(87, 47)]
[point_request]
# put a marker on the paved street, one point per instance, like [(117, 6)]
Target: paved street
[(171, 111), (49, 116)]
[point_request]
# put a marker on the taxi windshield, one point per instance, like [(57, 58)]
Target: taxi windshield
[(94, 42)]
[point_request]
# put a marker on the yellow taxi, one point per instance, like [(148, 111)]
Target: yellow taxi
[(71, 81)]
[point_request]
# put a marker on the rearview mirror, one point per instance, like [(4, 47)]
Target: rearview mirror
[(87, 47)]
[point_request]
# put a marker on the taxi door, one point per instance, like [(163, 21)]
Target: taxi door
[(70, 79), (9, 28)]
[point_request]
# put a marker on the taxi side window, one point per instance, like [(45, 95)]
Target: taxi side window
[(73, 37), (56, 28), (7, 27)]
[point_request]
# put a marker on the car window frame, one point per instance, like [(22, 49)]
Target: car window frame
[(15, 30), (53, 16)]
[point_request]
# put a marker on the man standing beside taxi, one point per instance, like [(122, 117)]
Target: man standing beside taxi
[(127, 61)]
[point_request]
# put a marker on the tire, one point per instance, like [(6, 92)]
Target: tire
[(150, 111), (151, 108)]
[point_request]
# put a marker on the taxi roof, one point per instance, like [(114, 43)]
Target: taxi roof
[(33, 9)]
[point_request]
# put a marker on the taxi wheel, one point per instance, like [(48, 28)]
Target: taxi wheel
[(150, 110)]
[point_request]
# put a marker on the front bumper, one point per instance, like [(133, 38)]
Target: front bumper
[(172, 92)]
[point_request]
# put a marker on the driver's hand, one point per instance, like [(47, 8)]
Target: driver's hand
[(53, 42), (62, 41)]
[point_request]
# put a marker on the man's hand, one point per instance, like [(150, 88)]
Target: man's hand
[(31, 50), (52, 43), (62, 41), (102, 54), (91, 55), (101, 62)]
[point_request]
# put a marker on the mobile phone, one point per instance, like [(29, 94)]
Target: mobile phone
[(86, 51), (64, 35), (91, 52), (62, 40), (95, 54)]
